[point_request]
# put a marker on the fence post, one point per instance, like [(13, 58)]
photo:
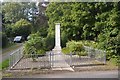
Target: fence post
[(104, 57), (50, 58), (10, 62), (70, 58)]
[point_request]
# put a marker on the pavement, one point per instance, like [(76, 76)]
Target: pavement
[(59, 62), (85, 74)]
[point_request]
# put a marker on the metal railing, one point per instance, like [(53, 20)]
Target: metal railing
[(97, 54), (15, 57), (51, 59), (93, 56), (30, 61)]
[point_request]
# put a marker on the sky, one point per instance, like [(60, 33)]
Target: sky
[(1, 0)]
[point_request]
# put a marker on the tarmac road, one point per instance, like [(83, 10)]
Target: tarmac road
[(90, 74), (7, 55)]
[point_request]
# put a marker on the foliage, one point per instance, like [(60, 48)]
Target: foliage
[(82, 53), (89, 43), (72, 17), (64, 39), (35, 41), (114, 61), (4, 39), (73, 46), (22, 27), (66, 50), (99, 23), (49, 41), (13, 12), (34, 46), (41, 52)]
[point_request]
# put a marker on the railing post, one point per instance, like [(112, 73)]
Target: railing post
[(104, 57), (70, 58), (10, 62), (50, 60)]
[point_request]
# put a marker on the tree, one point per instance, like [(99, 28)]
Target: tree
[(13, 12), (88, 21), (22, 27)]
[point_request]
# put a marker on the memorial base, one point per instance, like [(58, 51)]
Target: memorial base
[(57, 49)]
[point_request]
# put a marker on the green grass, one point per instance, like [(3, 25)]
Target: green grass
[(113, 61), (4, 64)]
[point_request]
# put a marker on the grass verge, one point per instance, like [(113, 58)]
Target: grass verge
[(4, 64)]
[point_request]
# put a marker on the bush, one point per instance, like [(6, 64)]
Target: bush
[(35, 41), (22, 27), (89, 43), (82, 53), (41, 52), (73, 46), (66, 50)]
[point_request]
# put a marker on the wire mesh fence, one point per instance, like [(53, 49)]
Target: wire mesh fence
[(51, 59), (98, 55), (92, 56), (30, 61)]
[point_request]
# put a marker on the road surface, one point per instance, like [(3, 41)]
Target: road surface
[(90, 74), (7, 54)]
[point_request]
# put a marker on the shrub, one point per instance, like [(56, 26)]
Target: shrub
[(22, 27), (73, 46), (89, 43), (36, 42), (66, 50), (41, 52), (82, 53)]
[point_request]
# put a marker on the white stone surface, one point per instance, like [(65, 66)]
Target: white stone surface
[(57, 38), (59, 62)]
